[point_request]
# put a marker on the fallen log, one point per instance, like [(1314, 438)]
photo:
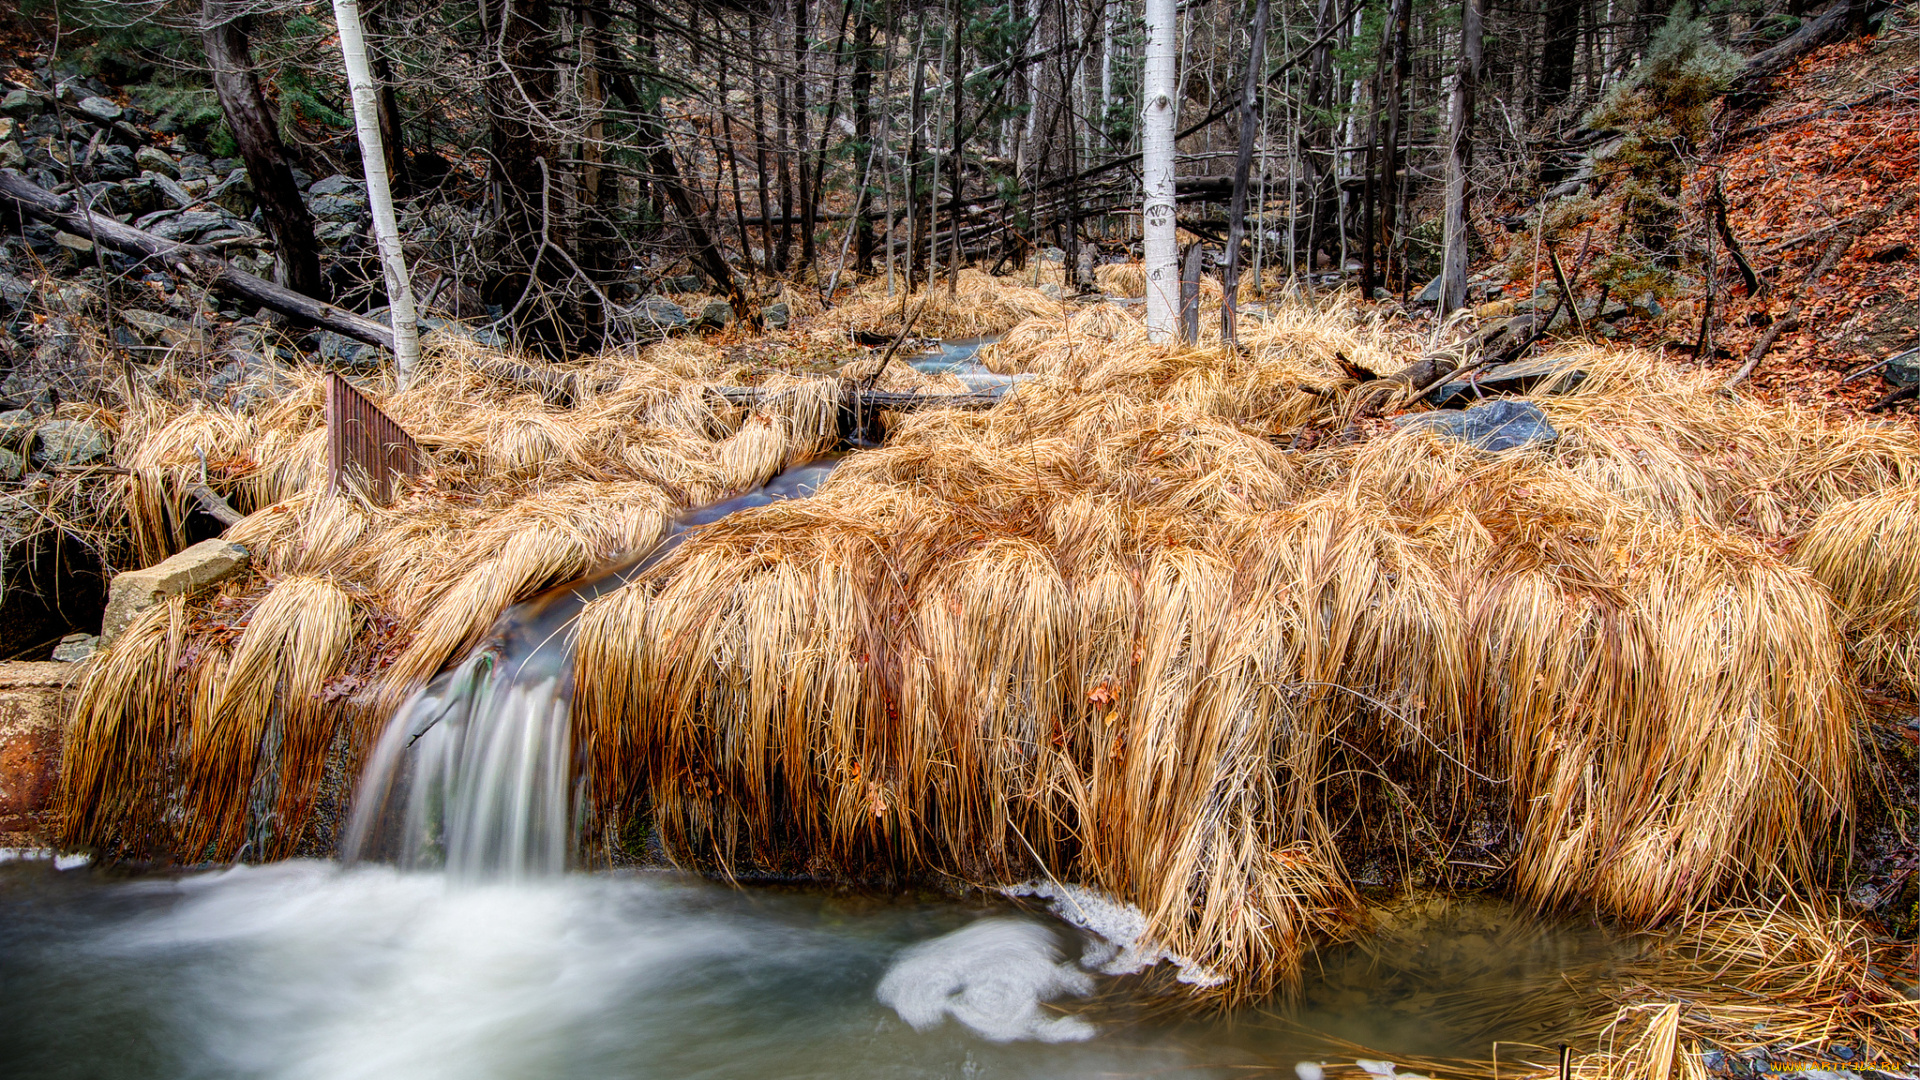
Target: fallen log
[(871, 400), (29, 199)]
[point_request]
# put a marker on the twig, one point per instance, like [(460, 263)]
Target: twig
[(1878, 364), (1861, 224), (905, 329)]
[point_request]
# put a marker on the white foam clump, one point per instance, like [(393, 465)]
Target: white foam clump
[(60, 862), (1309, 1070), (992, 976), (1376, 1068), (1122, 945)]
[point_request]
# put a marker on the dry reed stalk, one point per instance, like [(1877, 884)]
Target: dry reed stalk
[(293, 643), (119, 746)]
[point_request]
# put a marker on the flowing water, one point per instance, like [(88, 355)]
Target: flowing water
[(451, 942), (315, 970)]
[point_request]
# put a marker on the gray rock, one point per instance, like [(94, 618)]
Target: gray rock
[(1902, 370), (195, 167), (75, 648), (337, 232), (100, 109), (339, 207), (199, 226), (776, 316), (21, 105), (111, 162), (15, 293), (162, 190), (154, 159), (234, 194), (715, 315), (1052, 255), (79, 245), (70, 442), (16, 427), (12, 467), (1496, 426), (11, 156), (685, 283), (343, 353), (336, 184), (657, 314), (165, 329), (134, 591), (224, 165), (1430, 294)]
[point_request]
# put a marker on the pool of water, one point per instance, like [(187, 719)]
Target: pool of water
[(312, 970)]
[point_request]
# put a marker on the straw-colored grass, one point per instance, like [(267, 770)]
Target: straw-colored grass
[(1129, 629)]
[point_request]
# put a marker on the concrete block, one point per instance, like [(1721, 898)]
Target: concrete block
[(206, 563)]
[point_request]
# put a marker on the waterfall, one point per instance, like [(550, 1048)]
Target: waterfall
[(474, 773)]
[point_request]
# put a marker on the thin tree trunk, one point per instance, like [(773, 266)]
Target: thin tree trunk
[(958, 158), (1242, 164), (393, 136), (1453, 272), (230, 53), (800, 53), (1158, 119), (373, 159), (863, 140)]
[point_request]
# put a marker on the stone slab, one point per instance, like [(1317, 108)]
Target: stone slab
[(34, 702)]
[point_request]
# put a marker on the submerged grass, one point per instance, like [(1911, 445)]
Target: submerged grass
[(1128, 629)]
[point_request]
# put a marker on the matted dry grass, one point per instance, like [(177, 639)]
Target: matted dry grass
[(1117, 630)]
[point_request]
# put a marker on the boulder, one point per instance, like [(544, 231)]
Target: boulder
[(336, 184), (99, 109), (658, 315), (154, 326), (776, 316), (339, 207), (134, 591), (1495, 426), (335, 233), (342, 353), (155, 160), (79, 245), (715, 315), (16, 427), (20, 105), (12, 466), (11, 156), (685, 283), (195, 167), (234, 194), (1904, 368), (15, 293), (70, 442), (114, 162)]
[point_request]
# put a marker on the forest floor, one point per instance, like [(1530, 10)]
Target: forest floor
[(1840, 138)]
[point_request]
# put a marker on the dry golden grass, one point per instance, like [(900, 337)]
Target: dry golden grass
[(1120, 630)]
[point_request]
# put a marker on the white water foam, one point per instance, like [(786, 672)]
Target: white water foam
[(1122, 945), (994, 976)]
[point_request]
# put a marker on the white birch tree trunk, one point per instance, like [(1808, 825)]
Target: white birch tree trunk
[(373, 159), (1157, 119)]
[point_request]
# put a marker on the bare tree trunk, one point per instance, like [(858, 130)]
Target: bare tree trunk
[(393, 136), (958, 159), (230, 53), (863, 134), (800, 53), (1242, 165), (1158, 117), (1453, 270), (373, 159)]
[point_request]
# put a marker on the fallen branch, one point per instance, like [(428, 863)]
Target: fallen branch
[(215, 506), (1862, 224), (28, 198)]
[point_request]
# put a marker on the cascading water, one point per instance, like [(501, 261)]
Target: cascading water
[(473, 773)]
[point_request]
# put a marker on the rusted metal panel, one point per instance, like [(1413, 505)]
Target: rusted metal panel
[(364, 444)]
